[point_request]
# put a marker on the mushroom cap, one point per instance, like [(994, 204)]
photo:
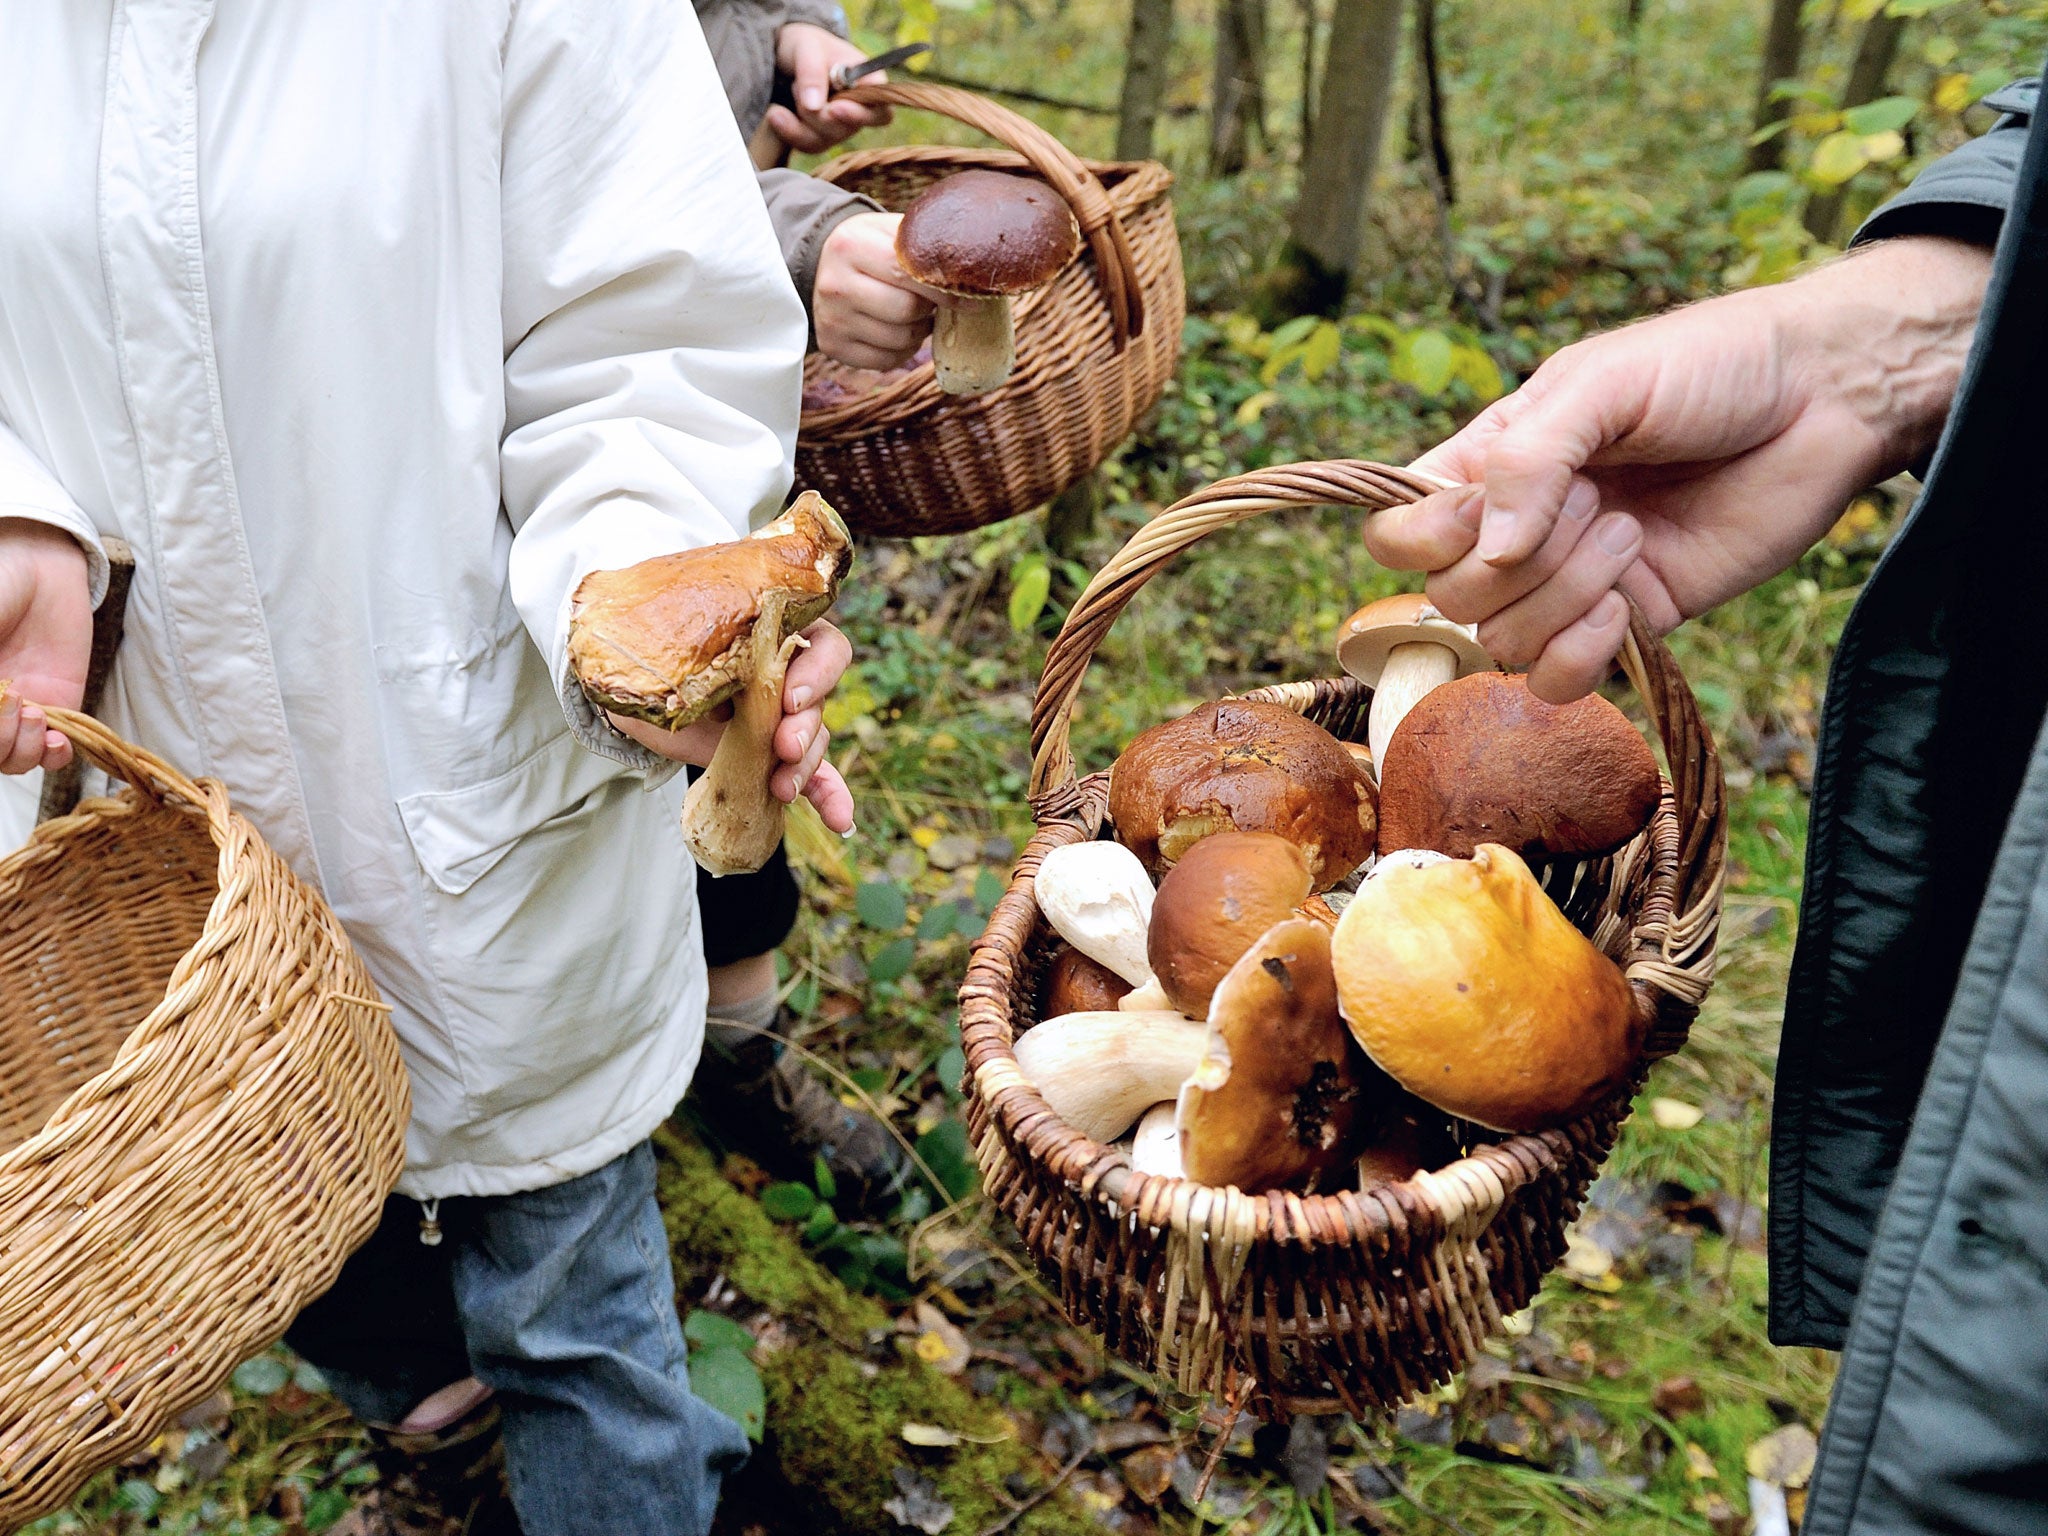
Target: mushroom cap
[(982, 234), (667, 640), (1464, 982), (1370, 635), (1214, 904), (1250, 767), (1079, 983), (1275, 1101), (1483, 760)]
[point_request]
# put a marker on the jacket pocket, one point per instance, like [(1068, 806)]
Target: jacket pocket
[(460, 835)]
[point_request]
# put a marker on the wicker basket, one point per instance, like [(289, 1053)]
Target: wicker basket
[(1095, 347), (202, 1109), (1355, 1300)]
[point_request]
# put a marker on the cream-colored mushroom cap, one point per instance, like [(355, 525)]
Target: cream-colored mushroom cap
[(1370, 635)]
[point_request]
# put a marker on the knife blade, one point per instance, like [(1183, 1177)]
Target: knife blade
[(846, 74)]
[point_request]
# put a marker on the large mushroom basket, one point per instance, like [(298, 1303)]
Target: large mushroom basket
[(1360, 1299), (202, 1109), (1095, 348)]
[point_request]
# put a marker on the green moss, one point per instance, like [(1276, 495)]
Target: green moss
[(835, 1415), (837, 1437), (714, 1229)]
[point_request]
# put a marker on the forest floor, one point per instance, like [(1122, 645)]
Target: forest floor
[(1595, 169)]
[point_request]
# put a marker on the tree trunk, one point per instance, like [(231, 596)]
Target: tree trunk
[(1874, 55), (1145, 70), (1310, 23), (1327, 227), (1237, 108), (1433, 139), (1782, 43)]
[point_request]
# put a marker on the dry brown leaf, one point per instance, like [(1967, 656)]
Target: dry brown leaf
[(1675, 1114)]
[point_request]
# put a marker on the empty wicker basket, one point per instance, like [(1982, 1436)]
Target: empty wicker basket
[(202, 1109), (1095, 347), (1359, 1299)]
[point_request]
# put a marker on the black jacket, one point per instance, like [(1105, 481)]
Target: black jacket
[(1909, 1181)]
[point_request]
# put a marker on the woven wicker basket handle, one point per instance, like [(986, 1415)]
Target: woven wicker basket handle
[(1649, 664), (1116, 267), (123, 759)]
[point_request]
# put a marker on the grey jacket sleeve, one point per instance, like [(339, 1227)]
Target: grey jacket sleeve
[(1964, 195), (804, 211)]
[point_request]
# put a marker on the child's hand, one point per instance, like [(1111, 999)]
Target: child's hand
[(866, 312), (808, 55), (45, 639), (800, 740)]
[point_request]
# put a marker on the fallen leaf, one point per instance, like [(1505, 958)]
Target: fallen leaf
[(1148, 1472), (917, 1503), (932, 1436), (1675, 1114), (1677, 1396), (1722, 1517), (1784, 1457), (940, 1343), (1589, 1264), (1699, 1466)]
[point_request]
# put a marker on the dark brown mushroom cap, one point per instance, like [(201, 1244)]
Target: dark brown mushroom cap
[(1214, 904), (981, 234), (1483, 760), (1078, 984), (1248, 767), (666, 640)]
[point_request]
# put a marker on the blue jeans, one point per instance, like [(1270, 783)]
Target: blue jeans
[(562, 1301)]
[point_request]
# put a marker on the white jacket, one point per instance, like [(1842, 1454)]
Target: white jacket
[(373, 325)]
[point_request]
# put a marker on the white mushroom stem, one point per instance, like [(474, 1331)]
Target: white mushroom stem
[(731, 822), (974, 347), (1149, 998), (1098, 898), (1411, 670), (1155, 1148), (1100, 1071)]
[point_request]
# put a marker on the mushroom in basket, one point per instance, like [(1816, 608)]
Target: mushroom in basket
[(1468, 986), (1483, 760), (982, 237), (1214, 905), (672, 638), (1401, 648), (1247, 766)]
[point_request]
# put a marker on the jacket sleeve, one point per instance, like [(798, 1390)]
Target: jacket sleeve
[(1964, 195), (804, 211), (28, 490), (653, 344)]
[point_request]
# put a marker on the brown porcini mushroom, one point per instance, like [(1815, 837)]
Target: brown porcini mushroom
[(1274, 1101), (1400, 647), (1240, 765), (1469, 988), (1483, 760), (672, 638), (1078, 983), (1213, 905), (1100, 1071), (982, 237)]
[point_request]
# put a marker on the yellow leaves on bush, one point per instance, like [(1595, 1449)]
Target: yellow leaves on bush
[(1837, 157), (1952, 92)]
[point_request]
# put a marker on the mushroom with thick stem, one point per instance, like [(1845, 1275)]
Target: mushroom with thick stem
[(1276, 1099), (672, 638), (981, 237), (1401, 648), (1213, 905), (1483, 760), (1246, 766), (1098, 898), (1155, 1145), (1078, 983), (1469, 988), (1100, 1071)]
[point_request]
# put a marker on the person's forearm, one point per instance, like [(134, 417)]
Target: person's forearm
[(1886, 331)]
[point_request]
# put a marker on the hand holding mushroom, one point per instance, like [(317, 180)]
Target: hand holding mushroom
[(662, 645)]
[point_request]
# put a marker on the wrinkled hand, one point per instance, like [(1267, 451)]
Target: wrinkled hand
[(800, 740), (1683, 460), (45, 640), (866, 312), (808, 55)]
